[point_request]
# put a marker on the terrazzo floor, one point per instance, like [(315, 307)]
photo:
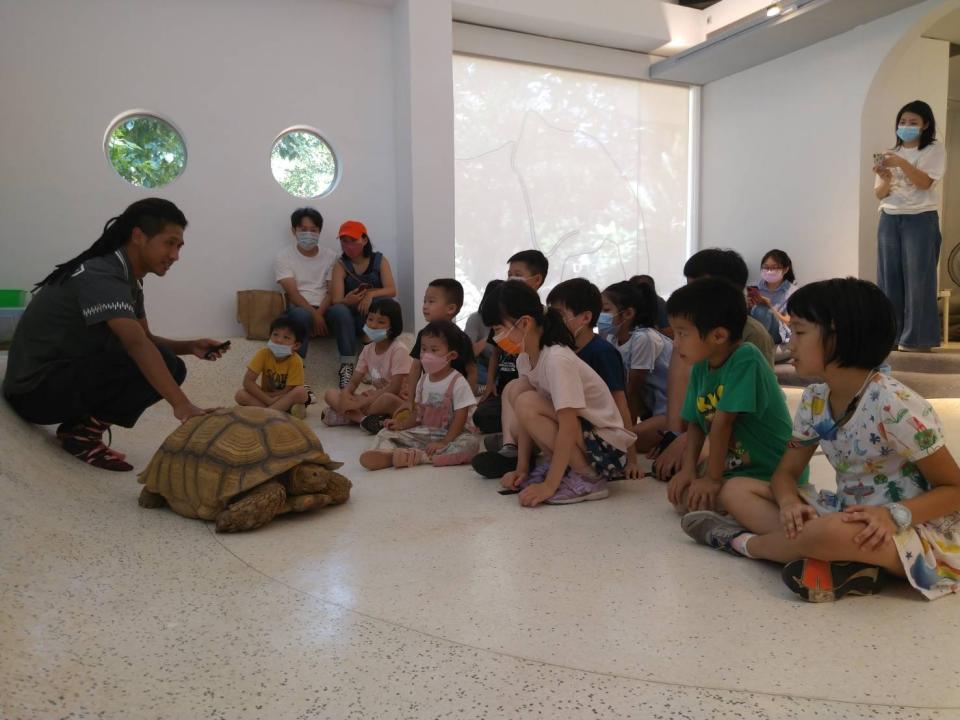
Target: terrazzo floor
[(427, 595)]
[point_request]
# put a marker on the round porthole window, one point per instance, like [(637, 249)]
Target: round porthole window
[(145, 150), (303, 163)]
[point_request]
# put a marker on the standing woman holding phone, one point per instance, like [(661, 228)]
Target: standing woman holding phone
[(359, 276), (908, 187)]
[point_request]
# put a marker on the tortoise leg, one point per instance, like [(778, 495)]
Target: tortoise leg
[(149, 499), (257, 508)]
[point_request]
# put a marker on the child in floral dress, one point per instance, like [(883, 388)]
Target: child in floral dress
[(896, 508)]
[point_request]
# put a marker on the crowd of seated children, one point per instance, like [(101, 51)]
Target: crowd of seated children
[(736, 465)]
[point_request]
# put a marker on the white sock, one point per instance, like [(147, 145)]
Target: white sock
[(739, 544)]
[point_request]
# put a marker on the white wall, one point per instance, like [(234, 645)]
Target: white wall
[(782, 156), (231, 74)]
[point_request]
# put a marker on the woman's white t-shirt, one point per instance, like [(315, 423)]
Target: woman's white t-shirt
[(568, 382), (905, 198)]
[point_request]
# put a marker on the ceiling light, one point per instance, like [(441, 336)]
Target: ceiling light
[(774, 10)]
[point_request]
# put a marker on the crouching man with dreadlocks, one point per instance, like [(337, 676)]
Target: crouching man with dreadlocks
[(83, 354)]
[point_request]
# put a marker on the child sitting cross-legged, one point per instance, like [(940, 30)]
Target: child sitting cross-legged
[(628, 321), (560, 404), (437, 431), (896, 509), (579, 303), (280, 370), (387, 363), (733, 396)]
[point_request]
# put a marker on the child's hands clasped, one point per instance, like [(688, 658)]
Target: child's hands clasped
[(793, 515), (879, 529)]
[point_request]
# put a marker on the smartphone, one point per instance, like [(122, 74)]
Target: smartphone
[(364, 286), (219, 348), (877, 159)]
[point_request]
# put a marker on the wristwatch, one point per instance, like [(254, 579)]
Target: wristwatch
[(901, 515)]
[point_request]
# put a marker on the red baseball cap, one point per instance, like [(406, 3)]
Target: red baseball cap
[(352, 229)]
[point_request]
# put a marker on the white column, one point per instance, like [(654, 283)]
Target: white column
[(423, 49)]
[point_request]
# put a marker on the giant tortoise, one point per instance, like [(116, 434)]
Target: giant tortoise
[(242, 466)]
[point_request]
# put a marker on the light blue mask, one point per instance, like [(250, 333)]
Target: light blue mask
[(375, 334), (605, 324), (908, 133), (308, 240), (279, 351)]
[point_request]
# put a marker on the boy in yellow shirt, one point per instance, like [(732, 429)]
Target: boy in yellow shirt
[(280, 370)]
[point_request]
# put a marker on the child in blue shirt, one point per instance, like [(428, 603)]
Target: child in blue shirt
[(578, 301)]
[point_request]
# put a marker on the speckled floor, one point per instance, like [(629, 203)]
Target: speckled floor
[(428, 595)]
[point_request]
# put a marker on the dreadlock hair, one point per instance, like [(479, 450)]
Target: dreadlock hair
[(149, 214)]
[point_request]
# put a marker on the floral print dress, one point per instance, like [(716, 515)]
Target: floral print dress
[(875, 454)]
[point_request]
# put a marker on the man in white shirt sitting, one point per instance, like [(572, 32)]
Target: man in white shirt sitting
[(303, 271)]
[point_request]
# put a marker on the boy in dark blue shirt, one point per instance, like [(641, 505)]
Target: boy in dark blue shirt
[(579, 302)]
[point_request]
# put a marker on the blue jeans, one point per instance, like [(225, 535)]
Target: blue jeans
[(344, 321), (909, 248), (765, 317)]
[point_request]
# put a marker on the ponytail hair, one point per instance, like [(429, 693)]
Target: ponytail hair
[(517, 299), (641, 297), (151, 215)]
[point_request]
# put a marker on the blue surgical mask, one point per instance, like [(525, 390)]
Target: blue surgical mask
[(605, 324), (908, 133), (375, 334), (279, 351), (307, 240)]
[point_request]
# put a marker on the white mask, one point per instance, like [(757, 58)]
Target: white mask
[(279, 351)]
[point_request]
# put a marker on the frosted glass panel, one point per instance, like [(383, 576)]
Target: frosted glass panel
[(591, 170)]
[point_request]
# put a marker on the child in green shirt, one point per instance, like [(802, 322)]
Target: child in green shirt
[(733, 398)]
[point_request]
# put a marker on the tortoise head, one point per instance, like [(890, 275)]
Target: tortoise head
[(308, 478)]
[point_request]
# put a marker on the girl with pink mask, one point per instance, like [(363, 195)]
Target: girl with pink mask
[(440, 431), (769, 301)]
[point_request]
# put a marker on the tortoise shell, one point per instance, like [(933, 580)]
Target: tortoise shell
[(209, 460)]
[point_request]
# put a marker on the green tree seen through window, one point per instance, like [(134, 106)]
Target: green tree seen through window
[(146, 151), (303, 164)]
